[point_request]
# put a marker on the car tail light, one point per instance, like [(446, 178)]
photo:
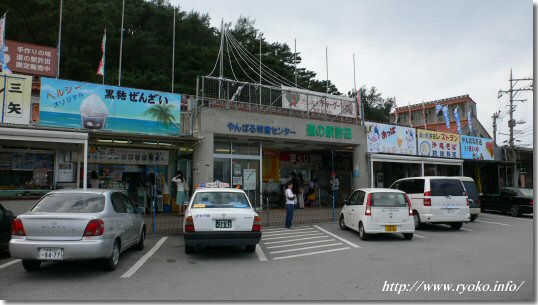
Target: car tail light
[(532, 202), (368, 211), (256, 226), (410, 206), (427, 201), (95, 227), (468, 202), (17, 228), (189, 224)]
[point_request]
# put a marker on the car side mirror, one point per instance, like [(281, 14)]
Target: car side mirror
[(140, 210), (10, 214)]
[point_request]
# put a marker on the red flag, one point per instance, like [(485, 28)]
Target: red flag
[(101, 69)]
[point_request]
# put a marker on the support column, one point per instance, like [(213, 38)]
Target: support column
[(203, 159), (361, 167)]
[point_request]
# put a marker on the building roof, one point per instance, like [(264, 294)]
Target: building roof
[(431, 104)]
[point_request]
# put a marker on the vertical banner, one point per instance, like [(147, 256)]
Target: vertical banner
[(438, 144), (447, 116), (15, 98), (458, 119), (93, 106)]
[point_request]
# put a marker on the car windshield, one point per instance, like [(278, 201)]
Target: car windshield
[(446, 187), (220, 200), (388, 200), (70, 203), (526, 192)]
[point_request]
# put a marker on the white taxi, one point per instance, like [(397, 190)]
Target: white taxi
[(220, 216), (373, 211)]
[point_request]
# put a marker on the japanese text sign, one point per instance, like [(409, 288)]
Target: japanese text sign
[(92, 106), (477, 148), (15, 98), (328, 131), (259, 129), (318, 102), (31, 58), (438, 144), (391, 139)]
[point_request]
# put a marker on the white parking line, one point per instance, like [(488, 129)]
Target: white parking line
[(419, 236), (284, 229), (144, 258), (292, 236), (496, 223), (505, 217), (289, 233), (336, 236), (261, 255), (305, 248), (311, 253), (465, 229), (304, 243), (9, 263), (288, 240)]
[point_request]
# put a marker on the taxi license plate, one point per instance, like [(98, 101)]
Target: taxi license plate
[(223, 224), (391, 228), (51, 253)]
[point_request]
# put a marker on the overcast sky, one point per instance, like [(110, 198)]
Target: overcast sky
[(414, 50)]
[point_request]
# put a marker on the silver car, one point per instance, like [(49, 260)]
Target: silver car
[(77, 225)]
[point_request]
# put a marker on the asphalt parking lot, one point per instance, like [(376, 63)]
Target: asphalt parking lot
[(308, 262)]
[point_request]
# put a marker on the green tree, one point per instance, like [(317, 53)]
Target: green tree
[(376, 108), (163, 113)]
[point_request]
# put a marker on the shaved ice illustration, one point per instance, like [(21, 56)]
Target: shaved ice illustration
[(93, 112)]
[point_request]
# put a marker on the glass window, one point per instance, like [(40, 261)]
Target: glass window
[(508, 192), (128, 204), (251, 148), (415, 186), (353, 198), (222, 147), (70, 203), (206, 200), (526, 192), (446, 187), (117, 203), (388, 200), (471, 189), (361, 197), (221, 170)]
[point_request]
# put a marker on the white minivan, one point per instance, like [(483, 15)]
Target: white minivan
[(436, 199), (377, 210)]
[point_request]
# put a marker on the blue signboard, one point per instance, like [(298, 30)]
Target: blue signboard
[(78, 105), (477, 148)]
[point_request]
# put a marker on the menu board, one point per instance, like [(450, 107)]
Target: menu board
[(477, 148), (391, 139), (438, 144), (28, 161)]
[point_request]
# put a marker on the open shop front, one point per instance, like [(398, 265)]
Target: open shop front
[(34, 162)]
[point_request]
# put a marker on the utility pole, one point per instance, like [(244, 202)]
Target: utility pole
[(495, 117), (221, 56)]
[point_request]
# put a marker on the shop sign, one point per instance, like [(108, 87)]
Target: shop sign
[(100, 107), (15, 97), (31, 58), (328, 131), (310, 101), (259, 129), (249, 179), (294, 156), (477, 148), (391, 139), (114, 155), (438, 144)]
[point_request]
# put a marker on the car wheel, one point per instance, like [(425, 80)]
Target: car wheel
[(140, 245), (189, 249), (362, 233), (514, 210), (482, 209), (250, 248), (456, 225), (30, 265), (408, 236), (416, 218), (473, 217), (341, 223), (112, 262)]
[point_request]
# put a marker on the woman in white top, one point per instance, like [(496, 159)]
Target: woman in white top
[(290, 205), (180, 182)]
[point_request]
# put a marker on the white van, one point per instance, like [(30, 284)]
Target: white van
[(436, 199), (472, 193)]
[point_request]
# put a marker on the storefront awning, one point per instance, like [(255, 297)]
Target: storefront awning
[(414, 159), (39, 135)]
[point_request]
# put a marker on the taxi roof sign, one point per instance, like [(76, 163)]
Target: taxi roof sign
[(216, 184)]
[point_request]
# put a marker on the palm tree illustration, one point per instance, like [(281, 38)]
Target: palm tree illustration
[(163, 113)]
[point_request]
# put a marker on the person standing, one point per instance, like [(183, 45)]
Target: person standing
[(300, 195), (180, 194), (290, 206), (94, 180), (335, 184)]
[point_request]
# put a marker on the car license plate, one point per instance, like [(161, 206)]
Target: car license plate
[(391, 228), (51, 253), (223, 224)]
